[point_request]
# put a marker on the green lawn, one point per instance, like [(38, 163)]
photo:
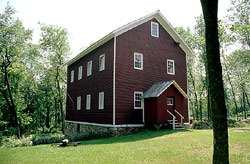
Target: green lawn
[(164, 146)]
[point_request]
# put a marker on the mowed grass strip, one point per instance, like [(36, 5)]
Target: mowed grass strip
[(164, 146)]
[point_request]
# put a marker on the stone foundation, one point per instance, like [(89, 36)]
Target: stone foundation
[(79, 131)]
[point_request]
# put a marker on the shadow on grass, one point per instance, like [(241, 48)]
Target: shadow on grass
[(141, 135)]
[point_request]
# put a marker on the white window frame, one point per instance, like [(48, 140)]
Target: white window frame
[(80, 73), (88, 102), (72, 76), (100, 64), (89, 68), (137, 100), (79, 101), (101, 100), (171, 73), (170, 101), (135, 54), (154, 23)]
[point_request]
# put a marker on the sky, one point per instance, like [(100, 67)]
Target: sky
[(89, 20)]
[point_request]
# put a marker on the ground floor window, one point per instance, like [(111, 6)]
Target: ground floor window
[(101, 100), (88, 102), (170, 101)]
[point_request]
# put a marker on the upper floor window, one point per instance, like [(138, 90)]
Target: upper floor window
[(72, 76), (89, 68), (154, 29), (80, 73), (88, 102), (138, 61), (137, 100), (102, 62), (79, 103), (170, 67), (101, 100)]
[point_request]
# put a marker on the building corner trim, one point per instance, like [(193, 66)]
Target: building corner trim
[(114, 80)]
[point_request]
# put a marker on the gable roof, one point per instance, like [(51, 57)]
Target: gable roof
[(157, 15), (158, 88)]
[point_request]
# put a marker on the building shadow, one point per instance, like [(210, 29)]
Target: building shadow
[(137, 136)]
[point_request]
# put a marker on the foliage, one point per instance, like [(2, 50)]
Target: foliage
[(163, 146), (32, 76), (32, 140)]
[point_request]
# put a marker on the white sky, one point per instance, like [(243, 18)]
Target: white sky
[(89, 20)]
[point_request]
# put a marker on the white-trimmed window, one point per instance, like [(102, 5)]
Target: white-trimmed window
[(101, 100), (170, 67), (138, 61), (137, 100), (102, 62), (88, 102), (154, 29), (89, 68), (80, 73), (79, 103), (170, 101), (72, 76)]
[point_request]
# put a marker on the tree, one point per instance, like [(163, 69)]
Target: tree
[(216, 89), (13, 40), (55, 45)]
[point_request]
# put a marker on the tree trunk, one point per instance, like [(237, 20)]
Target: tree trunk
[(232, 89), (11, 102), (218, 106)]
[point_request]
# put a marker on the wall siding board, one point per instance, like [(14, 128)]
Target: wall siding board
[(155, 52), (99, 81)]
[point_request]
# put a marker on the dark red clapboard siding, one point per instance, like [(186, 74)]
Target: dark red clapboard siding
[(155, 52), (97, 82)]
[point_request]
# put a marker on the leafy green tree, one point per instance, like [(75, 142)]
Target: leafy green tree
[(13, 40), (55, 45)]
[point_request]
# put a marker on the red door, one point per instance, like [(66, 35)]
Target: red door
[(171, 105)]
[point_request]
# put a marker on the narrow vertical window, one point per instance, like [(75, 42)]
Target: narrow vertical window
[(72, 76), (101, 100), (137, 100), (154, 29), (138, 61), (88, 102), (79, 103), (89, 68), (102, 62), (170, 67), (80, 73)]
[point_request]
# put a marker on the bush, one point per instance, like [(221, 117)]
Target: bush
[(36, 139), (201, 125), (13, 141)]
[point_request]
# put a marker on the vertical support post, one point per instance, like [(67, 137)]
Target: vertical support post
[(173, 123)]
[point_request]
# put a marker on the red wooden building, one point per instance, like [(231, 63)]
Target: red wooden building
[(130, 77)]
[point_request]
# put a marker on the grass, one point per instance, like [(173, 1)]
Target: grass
[(164, 146)]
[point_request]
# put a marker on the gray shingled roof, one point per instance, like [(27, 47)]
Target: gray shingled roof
[(160, 87)]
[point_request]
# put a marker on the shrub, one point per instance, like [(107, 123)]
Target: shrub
[(47, 138), (201, 125), (36, 139), (13, 141)]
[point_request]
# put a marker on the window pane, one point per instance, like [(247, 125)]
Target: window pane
[(102, 63), (79, 103), (171, 67), (72, 76)]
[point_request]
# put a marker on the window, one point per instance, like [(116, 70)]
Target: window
[(72, 76), (89, 68), (80, 73), (101, 100), (154, 29), (137, 100), (88, 102), (138, 61), (102, 62), (79, 103), (170, 101), (170, 67)]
